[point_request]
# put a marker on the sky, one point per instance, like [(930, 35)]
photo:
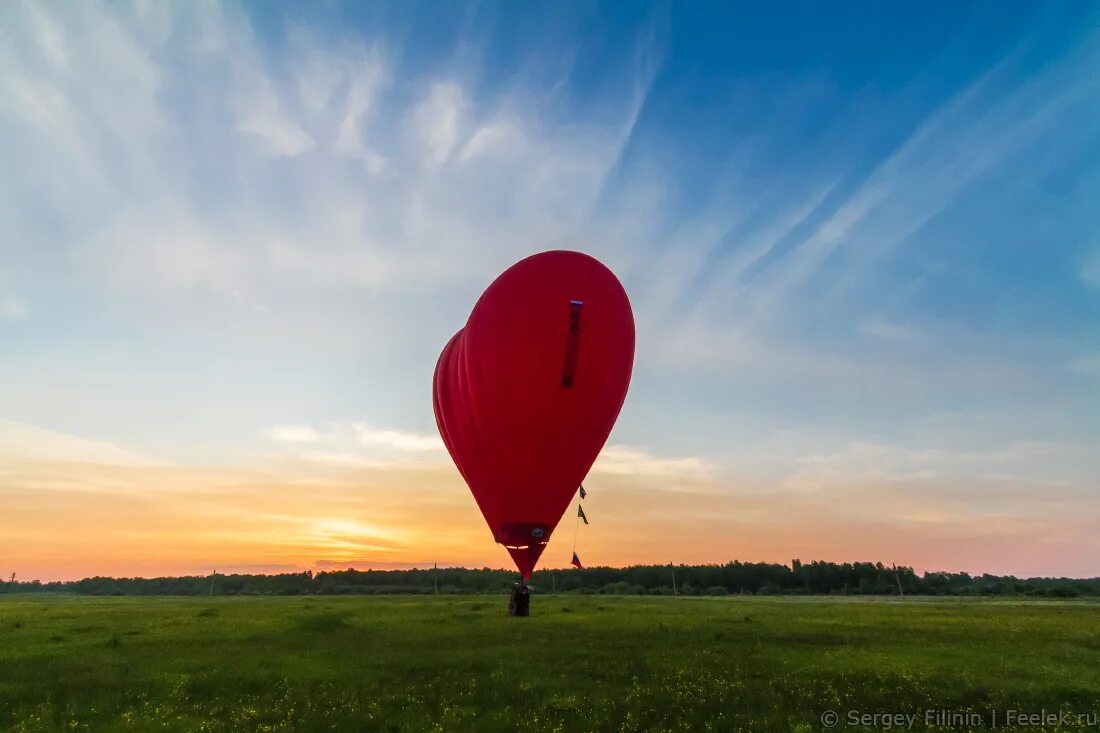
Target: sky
[(861, 241)]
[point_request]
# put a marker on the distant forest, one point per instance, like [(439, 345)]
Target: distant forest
[(814, 578)]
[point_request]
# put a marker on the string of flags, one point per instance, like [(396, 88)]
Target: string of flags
[(576, 561)]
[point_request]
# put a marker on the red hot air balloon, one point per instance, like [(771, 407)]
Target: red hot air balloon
[(526, 393)]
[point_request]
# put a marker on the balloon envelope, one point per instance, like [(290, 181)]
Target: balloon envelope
[(526, 393)]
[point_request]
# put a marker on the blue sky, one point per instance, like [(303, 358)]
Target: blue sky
[(862, 245)]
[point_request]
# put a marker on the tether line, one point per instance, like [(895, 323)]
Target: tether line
[(576, 529)]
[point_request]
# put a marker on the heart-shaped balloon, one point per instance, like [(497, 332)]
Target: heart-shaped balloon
[(526, 393)]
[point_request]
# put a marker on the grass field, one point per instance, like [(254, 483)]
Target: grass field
[(579, 663)]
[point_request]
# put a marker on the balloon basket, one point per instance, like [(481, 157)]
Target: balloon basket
[(519, 603)]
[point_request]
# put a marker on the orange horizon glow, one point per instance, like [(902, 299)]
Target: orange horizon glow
[(66, 520)]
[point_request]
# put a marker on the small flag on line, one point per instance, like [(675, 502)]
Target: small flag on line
[(576, 562), (580, 513), (583, 492)]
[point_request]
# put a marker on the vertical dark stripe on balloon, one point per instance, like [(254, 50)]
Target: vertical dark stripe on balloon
[(572, 344)]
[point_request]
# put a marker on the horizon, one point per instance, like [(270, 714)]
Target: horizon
[(504, 569), (860, 243)]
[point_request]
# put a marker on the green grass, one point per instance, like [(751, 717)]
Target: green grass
[(579, 663)]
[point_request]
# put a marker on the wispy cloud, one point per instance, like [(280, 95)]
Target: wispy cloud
[(759, 307), (294, 434), (623, 460), (377, 226), (402, 440), (278, 135), (359, 444), (24, 442), (863, 461)]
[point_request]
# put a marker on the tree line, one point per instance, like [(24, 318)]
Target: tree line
[(812, 578)]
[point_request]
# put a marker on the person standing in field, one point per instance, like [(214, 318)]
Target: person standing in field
[(519, 604)]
